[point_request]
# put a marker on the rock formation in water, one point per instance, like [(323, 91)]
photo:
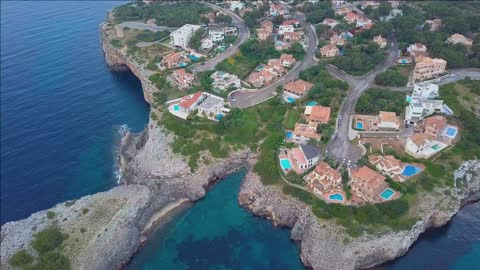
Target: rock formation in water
[(322, 241)]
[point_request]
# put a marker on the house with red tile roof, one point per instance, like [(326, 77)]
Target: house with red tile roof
[(297, 88), (306, 131), (434, 125), (337, 40), (317, 115), (303, 157), (367, 184), (416, 143), (323, 179), (287, 60), (330, 22), (182, 78), (190, 102), (275, 67), (293, 36), (295, 23), (286, 28), (265, 30), (173, 60)]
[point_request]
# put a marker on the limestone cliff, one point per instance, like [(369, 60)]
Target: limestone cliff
[(322, 242), (118, 60)]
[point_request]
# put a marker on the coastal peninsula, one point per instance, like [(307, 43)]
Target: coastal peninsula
[(167, 166)]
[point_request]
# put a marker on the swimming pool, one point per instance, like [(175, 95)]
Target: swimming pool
[(336, 197), (410, 170), (359, 125), (451, 131), (311, 103), (183, 64), (387, 194), (176, 108), (290, 100), (288, 134), (436, 147), (219, 116), (193, 57), (260, 68), (285, 163)]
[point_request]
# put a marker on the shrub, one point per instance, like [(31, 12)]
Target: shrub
[(50, 214), (53, 260), (83, 230), (85, 211), (20, 258), (48, 239)]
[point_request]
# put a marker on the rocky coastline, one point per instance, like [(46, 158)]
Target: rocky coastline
[(156, 181), (322, 242)]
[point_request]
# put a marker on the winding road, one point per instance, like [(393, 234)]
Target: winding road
[(247, 98), (243, 35), (340, 148)]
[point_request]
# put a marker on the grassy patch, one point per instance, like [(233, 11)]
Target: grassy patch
[(291, 118)]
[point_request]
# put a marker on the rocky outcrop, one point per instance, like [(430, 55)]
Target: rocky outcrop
[(325, 245), (118, 60)]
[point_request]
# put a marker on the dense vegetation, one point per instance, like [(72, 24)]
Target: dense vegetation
[(359, 60), (316, 13), (392, 77), (374, 100), (47, 243), (170, 14), (251, 53)]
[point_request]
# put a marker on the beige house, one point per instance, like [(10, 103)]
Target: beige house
[(427, 68), (324, 178), (387, 165), (382, 42), (388, 120), (329, 50), (367, 184), (306, 131), (435, 24), (460, 39), (182, 78), (337, 40), (287, 60), (297, 88)]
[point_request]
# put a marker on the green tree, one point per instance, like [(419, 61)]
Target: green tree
[(48, 240), (20, 258)]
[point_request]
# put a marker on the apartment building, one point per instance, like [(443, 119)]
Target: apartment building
[(429, 68), (181, 37), (324, 178)]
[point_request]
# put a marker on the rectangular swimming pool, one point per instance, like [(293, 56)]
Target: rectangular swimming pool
[(387, 194), (436, 147), (288, 134), (176, 108), (359, 125), (285, 163)]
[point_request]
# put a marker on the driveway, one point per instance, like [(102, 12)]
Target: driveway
[(248, 98), (341, 148), (243, 35)]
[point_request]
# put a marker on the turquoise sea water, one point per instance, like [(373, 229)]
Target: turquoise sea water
[(216, 233), (60, 112)]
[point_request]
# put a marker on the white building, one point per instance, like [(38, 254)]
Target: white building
[(421, 108), (223, 81), (181, 37), (216, 35), (425, 91), (211, 106), (236, 5), (282, 29), (207, 44)]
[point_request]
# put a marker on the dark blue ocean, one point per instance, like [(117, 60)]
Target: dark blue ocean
[(61, 109)]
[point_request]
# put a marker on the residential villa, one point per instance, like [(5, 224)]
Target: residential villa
[(382, 42), (295, 23), (388, 121), (208, 105), (417, 49), (181, 37), (352, 17), (359, 20), (434, 125), (293, 36), (425, 91), (306, 131), (416, 144), (343, 11), (275, 67), (429, 68), (304, 157), (368, 185), (216, 34), (174, 60), (207, 44), (297, 89), (323, 179), (337, 40), (182, 78), (223, 81), (393, 13), (329, 50), (330, 22), (384, 121), (317, 115), (388, 165), (265, 30), (287, 60), (373, 4), (260, 78), (236, 5), (435, 24), (285, 28), (418, 109), (278, 9), (460, 39)]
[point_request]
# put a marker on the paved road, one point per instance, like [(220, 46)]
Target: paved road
[(144, 26), (460, 74), (243, 35), (248, 98), (340, 148)]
